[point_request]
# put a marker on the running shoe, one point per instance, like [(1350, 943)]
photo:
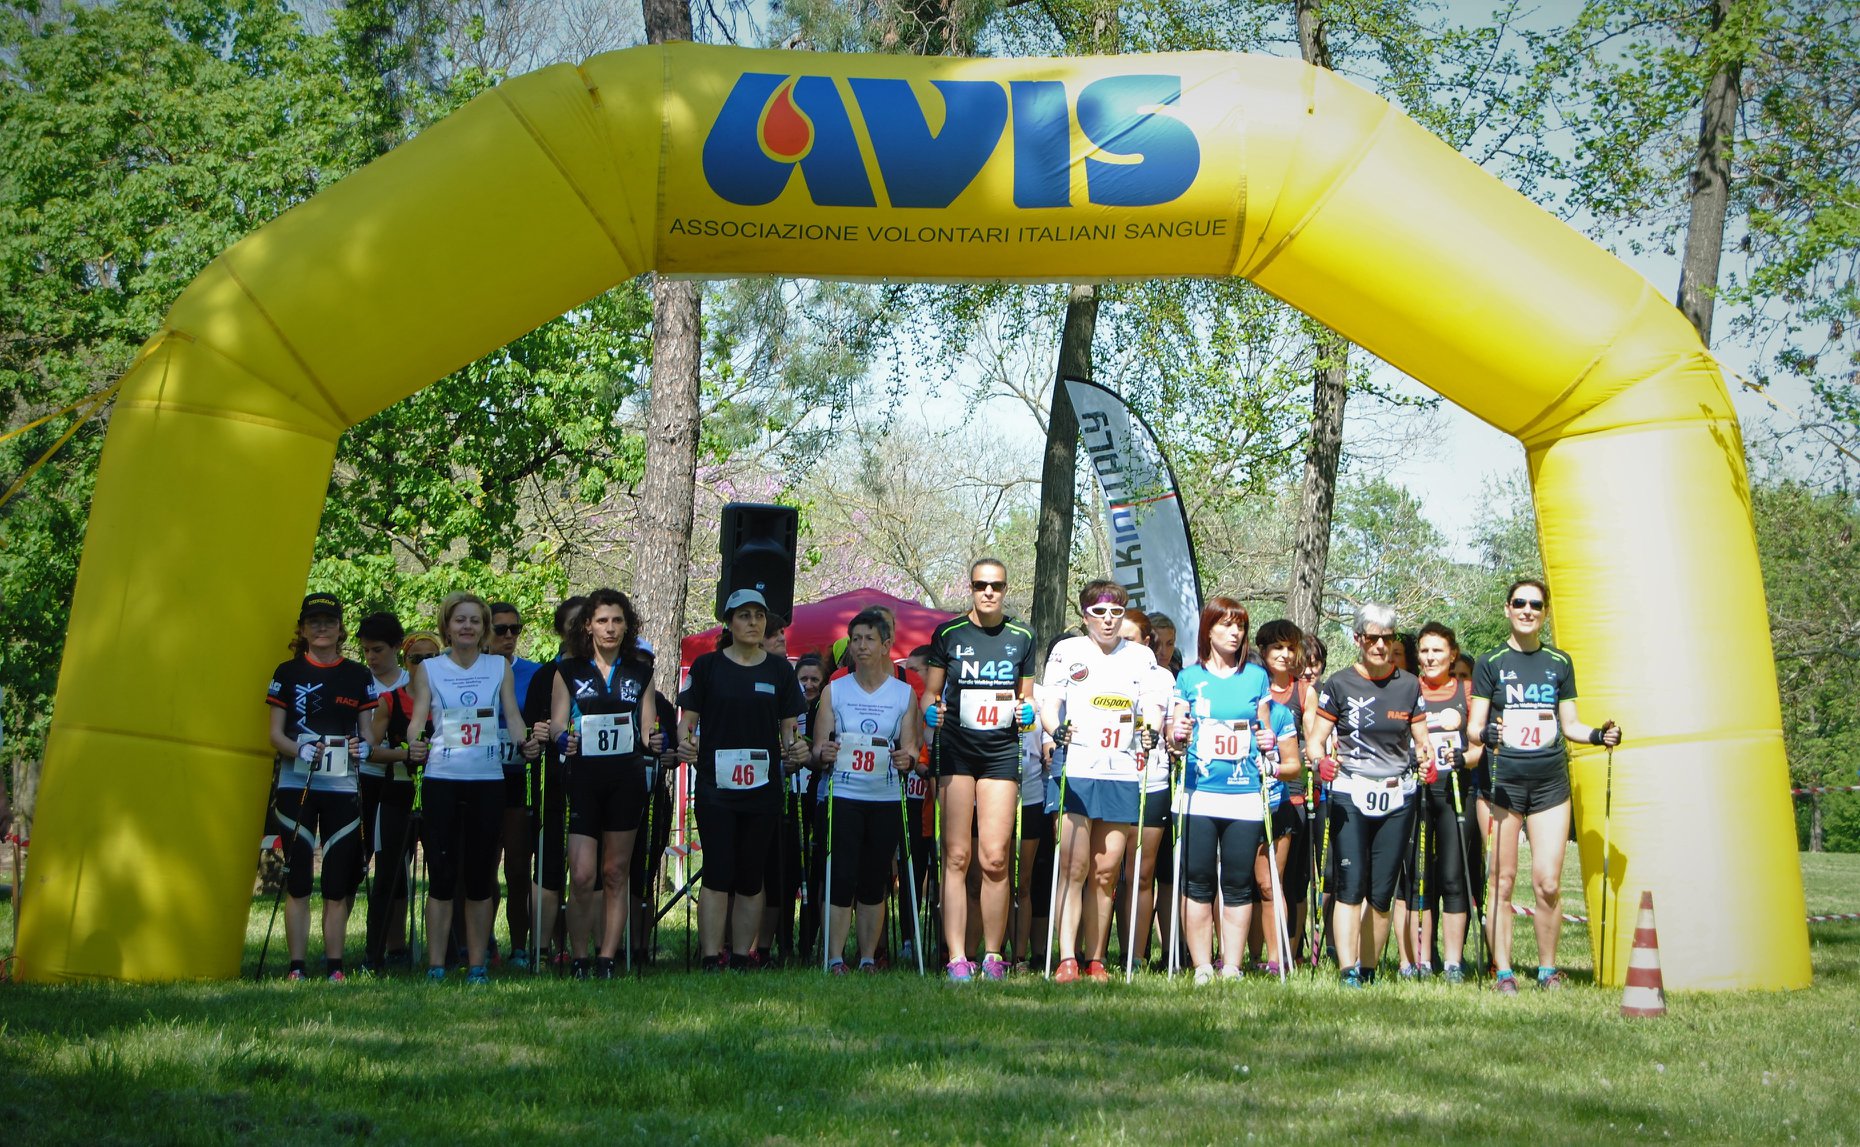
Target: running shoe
[(1228, 972), (1453, 974), (1409, 972), (1554, 982), (837, 968), (869, 967), (402, 959), (1022, 967), (907, 953), (1066, 972), (1096, 973), (994, 968), (296, 975), (1506, 985), (519, 960), (711, 964), (1204, 975), (578, 970), (478, 975), (1270, 968), (604, 969), (336, 977), (435, 975), (1352, 978), (962, 971)]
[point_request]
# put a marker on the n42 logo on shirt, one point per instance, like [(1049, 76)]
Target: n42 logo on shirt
[(987, 671)]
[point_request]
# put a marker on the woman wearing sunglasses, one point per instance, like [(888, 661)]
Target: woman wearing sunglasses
[(978, 698), (1372, 714), (1101, 700), (1523, 707)]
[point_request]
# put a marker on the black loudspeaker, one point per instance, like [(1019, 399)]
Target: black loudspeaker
[(758, 545)]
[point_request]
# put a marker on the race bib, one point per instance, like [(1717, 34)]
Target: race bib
[(401, 772), (1528, 728), (988, 708), (506, 748), (606, 734), (466, 727), (1379, 798), (332, 756), (742, 768), (915, 787), (1101, 732), (1222, 741), (862, 754)]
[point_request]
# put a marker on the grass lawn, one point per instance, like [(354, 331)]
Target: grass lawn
[(792, 1057)]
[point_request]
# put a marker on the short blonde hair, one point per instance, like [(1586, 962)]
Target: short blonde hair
[(450, 606)]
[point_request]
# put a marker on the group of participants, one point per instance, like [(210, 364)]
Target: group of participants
[(961, 806)]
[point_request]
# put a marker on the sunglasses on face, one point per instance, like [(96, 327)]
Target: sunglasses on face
[(985, 586), (510, 629), (1526, 603), (1104, 611), (1375, 638)]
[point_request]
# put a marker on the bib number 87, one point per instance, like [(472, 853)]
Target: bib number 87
[(607, 741)]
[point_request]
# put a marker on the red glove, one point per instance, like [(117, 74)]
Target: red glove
[(1430, 772), (1327, 769)]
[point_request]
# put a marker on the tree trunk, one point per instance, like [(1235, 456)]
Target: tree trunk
[(662, 553), (1052, 547), (1304, 598), (1814, 823), (1710, 190)]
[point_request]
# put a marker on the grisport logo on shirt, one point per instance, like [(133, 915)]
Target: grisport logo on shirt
[(771, 124), (1114, 702)]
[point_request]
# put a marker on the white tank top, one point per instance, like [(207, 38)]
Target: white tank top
[(465, 718), (862, 771)]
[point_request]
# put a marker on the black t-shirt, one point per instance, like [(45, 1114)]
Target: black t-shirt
[(991, 659), (1526, 688), (620, 690), (1373, 719), (741, 707), (323, 701)]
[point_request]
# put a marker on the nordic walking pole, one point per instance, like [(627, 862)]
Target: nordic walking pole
[(535, 795), (1055, 909), (910, 874), (826, 892), (1177, 809), (1281, 938), (1472, 901), (1420, 877), (284, 879), (1608, 803), (1136, 870)]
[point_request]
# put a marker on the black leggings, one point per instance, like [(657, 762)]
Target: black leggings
[(736, 841), (336, 818), (387, 814), (1447, 858), (1037, 824), (863, 839), (1237, 843), (551, 779), (464, 825), (1371, 853), (655, 832)]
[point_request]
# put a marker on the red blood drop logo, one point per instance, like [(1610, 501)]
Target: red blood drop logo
[(786, 133)]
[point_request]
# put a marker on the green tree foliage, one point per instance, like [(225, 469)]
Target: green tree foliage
[(1809, 542), (136, 142)]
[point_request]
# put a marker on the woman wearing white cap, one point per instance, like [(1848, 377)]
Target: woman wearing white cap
[(753, 701)]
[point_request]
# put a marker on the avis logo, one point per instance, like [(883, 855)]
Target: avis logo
[(771, 125)]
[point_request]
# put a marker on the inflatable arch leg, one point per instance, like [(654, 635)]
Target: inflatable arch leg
[(714, 162)]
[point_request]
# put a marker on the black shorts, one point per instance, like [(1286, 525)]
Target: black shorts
[(950, 757), (1297, 874), (861, 841), (1371, 852), (605, 797), (1529, 789), (515, 786)]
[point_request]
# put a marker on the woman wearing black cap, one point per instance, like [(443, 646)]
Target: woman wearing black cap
[(753, 701), (317, 700)]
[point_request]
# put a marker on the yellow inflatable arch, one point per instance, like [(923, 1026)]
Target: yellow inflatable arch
[(704, 161)]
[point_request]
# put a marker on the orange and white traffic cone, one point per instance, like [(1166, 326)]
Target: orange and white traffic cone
[(1645, 994)]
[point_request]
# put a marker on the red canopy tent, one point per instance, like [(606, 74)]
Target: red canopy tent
[(817, 625)]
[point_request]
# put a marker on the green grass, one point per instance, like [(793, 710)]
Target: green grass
[(791, 1057)]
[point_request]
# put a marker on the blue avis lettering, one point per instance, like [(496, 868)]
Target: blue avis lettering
[(771, 125)]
